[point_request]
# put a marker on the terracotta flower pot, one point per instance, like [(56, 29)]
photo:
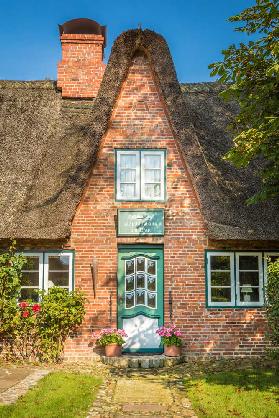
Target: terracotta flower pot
[(172, 350), (113, 350)]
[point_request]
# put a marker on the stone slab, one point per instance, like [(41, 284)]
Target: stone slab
[(141, 391)]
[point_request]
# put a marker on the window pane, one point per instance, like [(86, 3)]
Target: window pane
[(60, 262), (220, 278), (249, 294), (140, 297), (152, 190), (152, 161), (151, 300), (248, 262), (152, 176), (58, 279), (140, 264), (140, 280), (128, 190), (151, 267), (29, 294), (130, 283), (30, 279), (130, 266), (221, 295), (32, 263), (249, 278), (128, 175), (151, 283), (130, 300), (128, 160), (220, 262)]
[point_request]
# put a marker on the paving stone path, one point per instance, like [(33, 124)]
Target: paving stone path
[(141, 394), (15, 382)]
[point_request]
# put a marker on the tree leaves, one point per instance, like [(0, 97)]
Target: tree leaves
[(252, 73)]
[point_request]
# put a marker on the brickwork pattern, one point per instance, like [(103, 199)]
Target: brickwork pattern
[(140, 120), (81, 69)]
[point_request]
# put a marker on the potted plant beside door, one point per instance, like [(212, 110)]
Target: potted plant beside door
[(170, 338), (112, 339)]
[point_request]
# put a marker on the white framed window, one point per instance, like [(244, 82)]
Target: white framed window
[(220, 279), (152, 175), (58, 270), (140, 175), (32, 276), (249, 279)]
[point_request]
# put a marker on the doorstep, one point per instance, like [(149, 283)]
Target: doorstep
[(144, 361)]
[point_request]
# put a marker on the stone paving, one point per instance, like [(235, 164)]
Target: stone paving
[(14, 382), (130, 393)]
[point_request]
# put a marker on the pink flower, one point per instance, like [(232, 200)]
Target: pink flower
[(36, 308), (25, 314), (23, 305)]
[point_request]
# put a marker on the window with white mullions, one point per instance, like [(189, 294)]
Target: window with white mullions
[(32, 277), (249, 279), (152, 175), (220, 268), (140, 175), (58, 270)]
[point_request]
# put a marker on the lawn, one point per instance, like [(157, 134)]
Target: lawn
[(59, 394), (241, 394)]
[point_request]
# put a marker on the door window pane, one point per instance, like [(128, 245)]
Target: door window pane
[(130, 300), (144, 283)]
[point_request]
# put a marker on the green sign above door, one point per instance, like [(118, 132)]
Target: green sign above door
[(140, 222)]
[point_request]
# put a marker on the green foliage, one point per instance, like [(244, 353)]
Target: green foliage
[(61, 312), (34, 331), (10, 275), (111, 339), (173, 340), (272, 304), (252, 71)]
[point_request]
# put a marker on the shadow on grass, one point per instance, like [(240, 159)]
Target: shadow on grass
[(243, 380)]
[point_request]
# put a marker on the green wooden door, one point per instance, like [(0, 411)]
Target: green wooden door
[(141, 296)]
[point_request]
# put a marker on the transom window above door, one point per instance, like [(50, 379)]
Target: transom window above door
[(140, 175)]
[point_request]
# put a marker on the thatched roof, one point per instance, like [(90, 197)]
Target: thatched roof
[(48, 146)]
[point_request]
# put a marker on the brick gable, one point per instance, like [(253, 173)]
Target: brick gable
[(139, 120)]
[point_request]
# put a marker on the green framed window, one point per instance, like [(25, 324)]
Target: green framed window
[(236, 279), (140, 175), (44, 270)]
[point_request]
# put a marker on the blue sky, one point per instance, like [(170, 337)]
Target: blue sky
[(196, 31)]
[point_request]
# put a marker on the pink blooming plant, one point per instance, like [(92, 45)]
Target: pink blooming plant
[(170, 335), (110, 336)]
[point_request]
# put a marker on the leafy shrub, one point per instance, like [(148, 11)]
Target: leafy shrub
[(110, 336), (34, 331), (272, 304)]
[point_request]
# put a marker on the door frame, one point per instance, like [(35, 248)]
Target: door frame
[(143, 247)]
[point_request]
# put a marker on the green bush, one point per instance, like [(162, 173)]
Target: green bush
[(272, 304), (34, 331)]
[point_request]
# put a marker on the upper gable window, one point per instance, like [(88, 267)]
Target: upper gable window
[(140, 175)]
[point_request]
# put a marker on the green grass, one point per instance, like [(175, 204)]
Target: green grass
[(241, 394), (59, 394)]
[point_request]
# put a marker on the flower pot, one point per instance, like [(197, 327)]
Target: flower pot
[(172, 350), (113, 350)]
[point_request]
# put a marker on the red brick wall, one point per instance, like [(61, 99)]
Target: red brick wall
[(139, 120), (81, 69)]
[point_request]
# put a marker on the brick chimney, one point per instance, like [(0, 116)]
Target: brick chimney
[(81, 69)]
